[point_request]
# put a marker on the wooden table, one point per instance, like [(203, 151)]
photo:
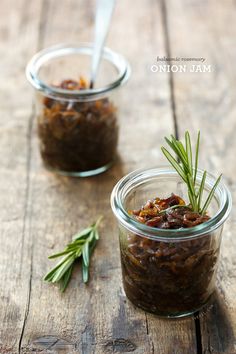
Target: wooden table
[(40, 211)]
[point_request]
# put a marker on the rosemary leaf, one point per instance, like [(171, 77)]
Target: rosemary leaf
[(196, 157), (177, 149), (65, 279), (164, 211), (78, 252), (169, 143), (192, 192), (174, 163), (83, 233), (189, 152), (85, 272), (51, 273), (85, 254), (182, 152), (183, 164), (82, 244), (60, 254), (201, 188), (210, 196), (63, 269), (96, 234), (190, 197)]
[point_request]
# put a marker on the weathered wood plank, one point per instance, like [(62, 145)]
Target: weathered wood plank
[(18, 34), (207, 101), (98, 318), (55, 205)]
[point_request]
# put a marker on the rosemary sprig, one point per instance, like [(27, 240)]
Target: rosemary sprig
[(187, 170), (164, 211), (82, 245)]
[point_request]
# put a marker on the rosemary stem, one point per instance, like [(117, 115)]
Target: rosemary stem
[(186, 165)]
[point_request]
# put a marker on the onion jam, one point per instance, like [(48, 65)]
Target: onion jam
[(77, 136), (168, 278)]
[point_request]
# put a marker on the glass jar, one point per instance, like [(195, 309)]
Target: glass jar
[(77, 126), (169, 272)]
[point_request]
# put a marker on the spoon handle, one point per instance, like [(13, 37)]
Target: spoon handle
[(103, 18)]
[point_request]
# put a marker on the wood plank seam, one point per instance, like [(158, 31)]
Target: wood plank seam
[(28, 162), (151, 341), (42, 23), (207, 102), (170, 76), (28, 166), (174, 115), (43, 18)]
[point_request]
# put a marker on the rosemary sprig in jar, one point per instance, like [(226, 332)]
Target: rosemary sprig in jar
[(82, 245), (186, 166)]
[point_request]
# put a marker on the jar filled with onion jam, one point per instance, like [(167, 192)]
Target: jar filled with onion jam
[(78, 126), (169, 254)]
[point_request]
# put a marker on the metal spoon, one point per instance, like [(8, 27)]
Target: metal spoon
[(103, 18)]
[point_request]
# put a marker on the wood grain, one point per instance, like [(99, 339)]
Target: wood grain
[(100, 320), (19, 31), (207, 101), (40, 211)]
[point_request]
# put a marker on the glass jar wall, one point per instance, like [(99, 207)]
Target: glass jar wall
[(77, 125), (169, 272)]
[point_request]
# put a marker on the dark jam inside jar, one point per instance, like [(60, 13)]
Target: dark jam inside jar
[(168, 278), (77, 136)]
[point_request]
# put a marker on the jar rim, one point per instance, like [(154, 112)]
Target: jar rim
[(50, 53), (134, 178)]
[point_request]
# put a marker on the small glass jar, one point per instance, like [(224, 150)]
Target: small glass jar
[(169, 272), (77, 126)]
